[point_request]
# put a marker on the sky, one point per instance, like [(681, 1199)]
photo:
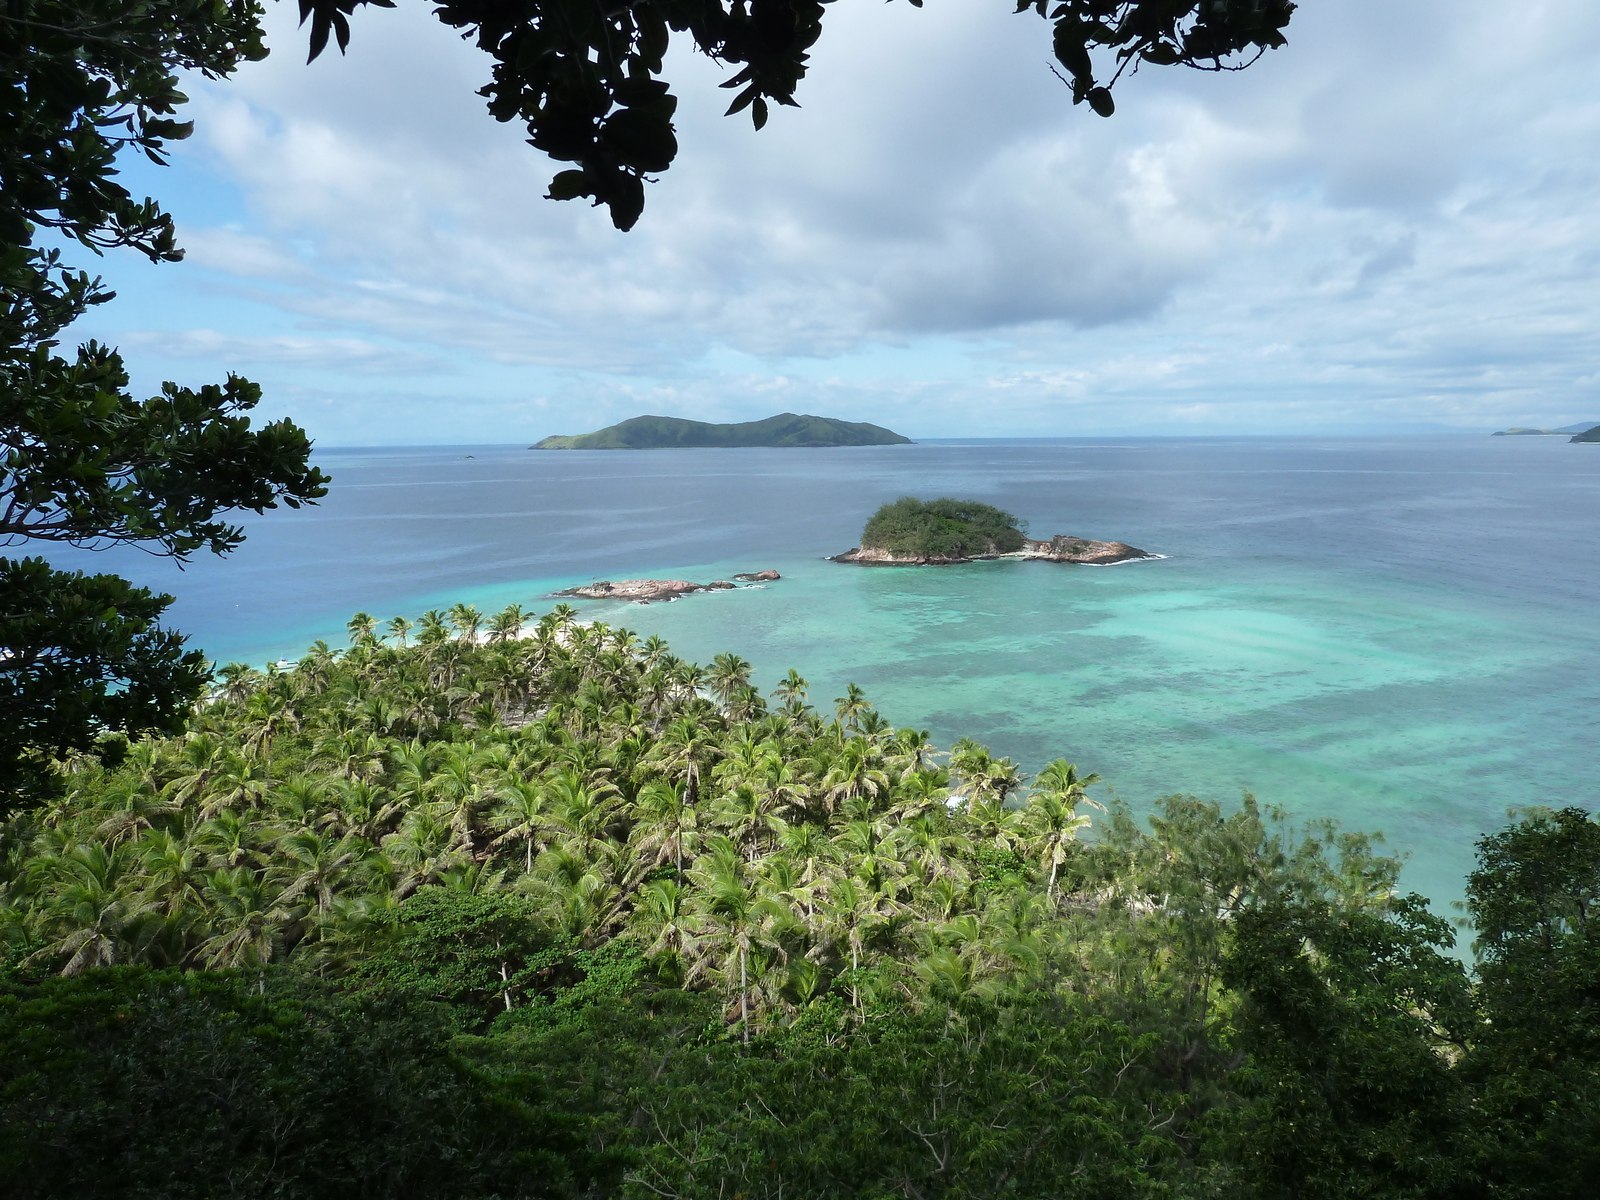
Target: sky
[(1388, 226)]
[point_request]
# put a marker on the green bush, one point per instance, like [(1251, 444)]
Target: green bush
[(131, 1082), (943, 528)]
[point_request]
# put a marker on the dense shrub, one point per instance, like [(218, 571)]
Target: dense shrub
[(942, 529), (129, 1082)]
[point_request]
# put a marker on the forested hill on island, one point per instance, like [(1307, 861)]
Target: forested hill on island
[(785, 429)]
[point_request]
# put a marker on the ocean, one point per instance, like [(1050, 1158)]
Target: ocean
[(1398, 633)]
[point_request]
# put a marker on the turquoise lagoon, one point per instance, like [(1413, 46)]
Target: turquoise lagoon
[(1396, 633)]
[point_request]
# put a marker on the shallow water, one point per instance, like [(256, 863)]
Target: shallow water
[(1397, 632)]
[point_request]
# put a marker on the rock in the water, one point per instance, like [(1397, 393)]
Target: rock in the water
[(643, 591), (1065, 548), (1061, 548), (757, 577), (634, 589), (877, 555)]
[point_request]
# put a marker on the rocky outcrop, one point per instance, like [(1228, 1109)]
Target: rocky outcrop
[(757, 577), (644, 591), (878, 556), (1062, 548), (1068, 549), (634, 589)]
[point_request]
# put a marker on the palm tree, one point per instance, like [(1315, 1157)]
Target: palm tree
[(362, 626), (234, 839), (791, 689), (664, 824), (466, 620), (266, 715), (872, 726), (318, 864), (853, 773), (870, 852), (132, 807), (399, 629), (851, 705), (579, 892), (174, 873), (729, 674), (745, 704), (662, 916), (458, 794), (854, 913), (1051, 817), (682, 752), (809, 848), (432, 628), (422, 849), (247, 922), (506, 625), (203, 754), (652, 651), (520, 815), (747, 816), (86, 918), (239, 680), (913, 749), (732, 923), (582, 812)]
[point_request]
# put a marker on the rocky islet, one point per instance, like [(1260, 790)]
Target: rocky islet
[(646, 591), (1062, 548)]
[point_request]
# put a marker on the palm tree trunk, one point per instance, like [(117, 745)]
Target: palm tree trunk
[(1050, 891), (744, 998)]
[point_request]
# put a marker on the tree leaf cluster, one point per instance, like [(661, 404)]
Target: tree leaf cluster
[(943, 528), (81, 460), (83, 654), (134, 1083), (584, 77)]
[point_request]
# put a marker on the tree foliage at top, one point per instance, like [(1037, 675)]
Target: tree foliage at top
[(81, 460), (943, 528), (584, 75)]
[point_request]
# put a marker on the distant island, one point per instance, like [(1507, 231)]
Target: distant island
[(1588, 435), (1580, 428), (785, 429), (912, 532)]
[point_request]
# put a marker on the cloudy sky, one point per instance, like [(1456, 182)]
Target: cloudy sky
[(1388, 225)]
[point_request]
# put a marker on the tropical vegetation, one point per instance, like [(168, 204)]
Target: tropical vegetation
[(489, 906), (945, 528)]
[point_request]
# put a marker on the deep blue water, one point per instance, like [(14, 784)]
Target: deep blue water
[(1396, 632)]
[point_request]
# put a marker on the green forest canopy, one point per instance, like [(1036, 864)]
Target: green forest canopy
[(942, 528), (458, 912)]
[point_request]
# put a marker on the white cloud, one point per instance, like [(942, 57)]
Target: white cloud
[(319, 353), (1391, 219)]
